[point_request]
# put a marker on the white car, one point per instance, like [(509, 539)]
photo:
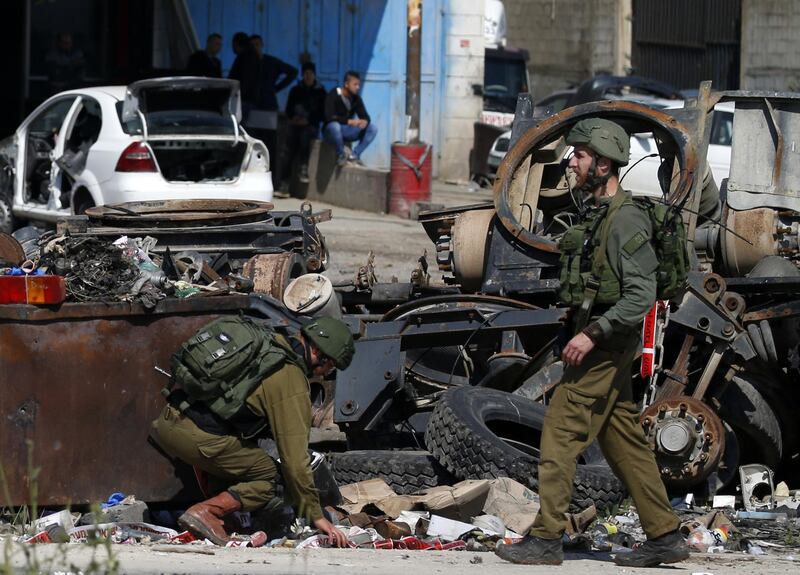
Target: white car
[(160, 139), (641, 178)]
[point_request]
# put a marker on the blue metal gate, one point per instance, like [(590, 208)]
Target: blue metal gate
[(364, 35)]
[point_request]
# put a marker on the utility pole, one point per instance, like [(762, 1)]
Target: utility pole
[(413, 69)]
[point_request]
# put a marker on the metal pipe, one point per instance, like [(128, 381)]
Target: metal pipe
[(413, 68)]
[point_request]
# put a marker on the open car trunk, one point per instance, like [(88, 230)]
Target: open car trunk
[(184, 106), (190, 160)]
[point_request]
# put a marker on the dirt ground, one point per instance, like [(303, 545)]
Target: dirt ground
[(153, 560), (397, 242)]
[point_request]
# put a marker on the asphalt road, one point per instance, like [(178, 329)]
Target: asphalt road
[(144, 560)]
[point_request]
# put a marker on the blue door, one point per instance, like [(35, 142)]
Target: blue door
[(364, 35)]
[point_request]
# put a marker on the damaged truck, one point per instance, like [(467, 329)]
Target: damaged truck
[(461, 373), (450, 380)]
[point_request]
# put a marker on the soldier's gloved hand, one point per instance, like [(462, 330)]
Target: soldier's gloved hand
[(576, 349), (336, 536)]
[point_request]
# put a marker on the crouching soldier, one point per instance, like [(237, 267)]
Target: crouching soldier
[(608, 277), (236, 381)]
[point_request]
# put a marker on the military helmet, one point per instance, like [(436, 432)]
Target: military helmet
[(333, 338), (603, 137)]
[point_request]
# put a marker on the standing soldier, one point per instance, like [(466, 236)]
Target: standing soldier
[(234, 382), (607, 276)]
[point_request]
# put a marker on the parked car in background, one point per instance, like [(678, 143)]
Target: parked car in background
[(641, 176), (159, 139), (485, 158)]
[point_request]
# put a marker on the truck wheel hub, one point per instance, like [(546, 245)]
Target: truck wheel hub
[(687, 437)]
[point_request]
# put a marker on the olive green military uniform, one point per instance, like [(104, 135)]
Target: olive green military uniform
[(594, 400), (240, 466)]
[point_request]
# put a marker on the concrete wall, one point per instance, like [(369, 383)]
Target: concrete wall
[(770, 57), (463, 67), (568, 40)]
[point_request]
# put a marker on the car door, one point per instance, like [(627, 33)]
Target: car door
[(38, 138)]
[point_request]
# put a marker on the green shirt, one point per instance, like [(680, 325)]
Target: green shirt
[(636, 272), (284, 399)]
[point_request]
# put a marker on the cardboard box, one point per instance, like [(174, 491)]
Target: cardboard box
[(512, 502), (356, 495), (461, 502)]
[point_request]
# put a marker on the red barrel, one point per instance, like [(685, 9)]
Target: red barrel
[(410, 177)]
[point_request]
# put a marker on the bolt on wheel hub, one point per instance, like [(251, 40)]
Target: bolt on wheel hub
[(687, 437)]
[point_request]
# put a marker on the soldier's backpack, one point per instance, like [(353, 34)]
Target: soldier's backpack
[(223, 363), (669, 243)]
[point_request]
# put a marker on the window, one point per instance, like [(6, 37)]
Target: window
[(50, 119), (87, 125), (722, 129)]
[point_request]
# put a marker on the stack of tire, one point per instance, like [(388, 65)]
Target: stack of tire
[(479, 433)]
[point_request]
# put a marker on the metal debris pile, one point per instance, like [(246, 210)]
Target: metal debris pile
[(127, 269), (94, 270)]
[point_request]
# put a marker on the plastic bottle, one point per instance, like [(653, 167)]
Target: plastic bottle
[(701, 539), (721, 534), (601, 535)]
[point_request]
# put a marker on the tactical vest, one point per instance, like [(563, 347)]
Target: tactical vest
[(584, 261), (584, 266), (223, 363)]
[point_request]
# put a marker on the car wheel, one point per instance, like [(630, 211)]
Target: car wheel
[(83, 204), (404, 471), (479, 433)]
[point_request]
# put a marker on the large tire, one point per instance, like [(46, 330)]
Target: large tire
[(405, 471), (479, 433), (754, 421)]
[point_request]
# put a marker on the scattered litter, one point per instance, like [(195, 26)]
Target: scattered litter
[(755, 550), (490, 524), (411, 518), (449, 529), (758, 490), (182, 549), (724, 501), (63, 518), (762, 515)]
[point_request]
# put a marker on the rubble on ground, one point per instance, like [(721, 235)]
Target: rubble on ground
[(472, 515)]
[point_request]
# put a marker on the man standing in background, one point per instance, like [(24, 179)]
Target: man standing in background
[(205, 62), (66, 65), (270, 77), (305, 109), (245, 70)]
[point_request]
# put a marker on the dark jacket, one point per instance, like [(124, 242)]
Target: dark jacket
[(272, 69), (336, 111), (245, 69), (307, 103), (201, 64)]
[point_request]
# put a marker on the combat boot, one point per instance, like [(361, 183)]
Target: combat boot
[(205, 519), (533, 551), (669, 548)]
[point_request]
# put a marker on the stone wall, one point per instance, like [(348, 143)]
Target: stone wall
[(464, 46), (770, 56), (568, 40)]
